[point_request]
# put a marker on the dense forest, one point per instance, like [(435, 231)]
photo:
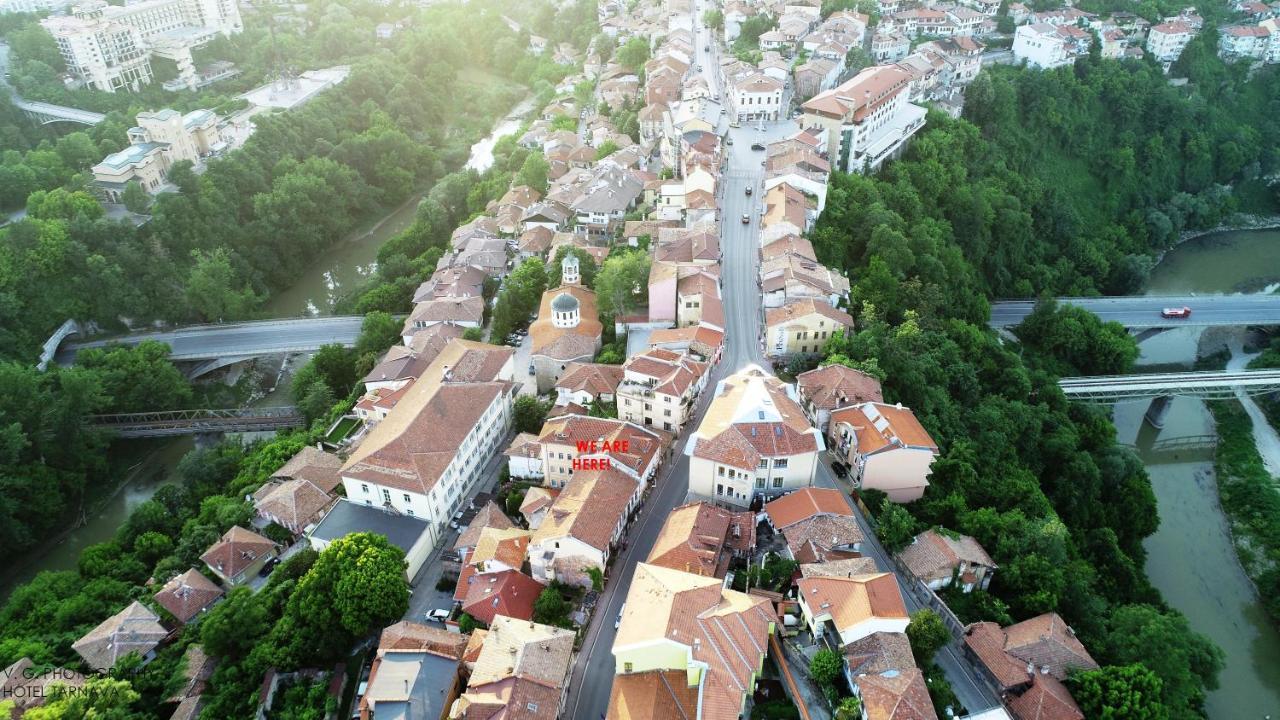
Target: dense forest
[(1061, 182)]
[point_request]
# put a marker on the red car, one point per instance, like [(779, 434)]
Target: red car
[(1182, 312)]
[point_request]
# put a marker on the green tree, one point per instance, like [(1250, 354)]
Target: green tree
[(1070, 340), (850, 708), (317, 402), (713, 18), (234, 626), (468, 624), (528, 414), (622, 282), (138, 378), (607, 148), (597, 577), (551, 608), (825, 667), (135, 199), (1129, 692), (895, 527), (534, 172), (214, 288), (1185, 661), (356, 584), (634, 53), (586, 266), (928, 634), (61, 204), (473, 334), (101, 698)]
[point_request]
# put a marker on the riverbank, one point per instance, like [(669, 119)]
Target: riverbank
[(1249, 501), (1240, 221)]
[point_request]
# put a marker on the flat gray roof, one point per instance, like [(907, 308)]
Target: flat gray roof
[(348, 517)]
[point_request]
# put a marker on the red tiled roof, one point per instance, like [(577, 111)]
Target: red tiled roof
[(804, 504), (508, 592)]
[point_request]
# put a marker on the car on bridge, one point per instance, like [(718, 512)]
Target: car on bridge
[(748, 189), (746, 219), (1179, 313)]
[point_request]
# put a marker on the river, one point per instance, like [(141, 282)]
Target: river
[(1190, 558), (338, 271)]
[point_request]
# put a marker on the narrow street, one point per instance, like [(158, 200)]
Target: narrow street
[(592, 678)]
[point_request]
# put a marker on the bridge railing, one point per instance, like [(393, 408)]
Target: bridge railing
[(189, 416)]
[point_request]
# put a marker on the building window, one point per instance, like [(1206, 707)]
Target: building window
[(364, 488), (759, 483), (386, 496), (719, 489), (409, 513), (780, 463), (626, 667), (406, 498), (777, 482), (720, 470)]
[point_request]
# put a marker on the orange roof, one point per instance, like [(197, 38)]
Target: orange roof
[(700, 538), (834, 386), (509, 592), (567, 343), (881, 426), (806, 503), (896, 695), (850, 601), (1046, 699), (656, 695)]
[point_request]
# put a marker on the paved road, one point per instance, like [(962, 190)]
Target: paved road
[(1218, 384), (1144, 311), (245, 339), (593, 674)]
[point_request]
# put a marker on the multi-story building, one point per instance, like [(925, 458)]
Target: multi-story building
[(1047, 46), (1166, 41), (160, 139), (802, 327), (571, 443), (430, 451), (659, 387), (886, 447), (109, 47), (755, 97), (753, 440), (866, 120), (687, 647), (1243, 41), (521, 666)]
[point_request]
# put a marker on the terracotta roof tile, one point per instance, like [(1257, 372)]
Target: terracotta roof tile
[(835, 386), (806, 503), (187, 594), (935, 556), (238, 549), (507, 592), (896, 695)]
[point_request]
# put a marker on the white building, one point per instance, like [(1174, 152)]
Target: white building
[(430, 451), (753, 440), (1253, 42), (867, 119), (109, 47), (159, 140), (1166, 41), (1046, 46), (756, 97)]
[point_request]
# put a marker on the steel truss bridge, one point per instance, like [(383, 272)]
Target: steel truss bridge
[(171, 423), (1213, 385)]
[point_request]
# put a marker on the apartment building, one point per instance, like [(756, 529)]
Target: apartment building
[(1166, 41), (753, 440), (802, 327), (886, 447), (109, 47), (659, 387), (866, 120), (1046, 46), (159, 140), (687, 647), (431, 449)]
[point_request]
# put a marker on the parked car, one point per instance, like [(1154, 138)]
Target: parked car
[(728, 140), (1182, 312), (531, 370), (706, 48), (748, 189), (757, 146), (746, 219), (618, 622), (438, 615), (840, 469), (268, 567)]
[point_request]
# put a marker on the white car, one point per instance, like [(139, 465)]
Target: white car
[(438, 615), (617, 623)]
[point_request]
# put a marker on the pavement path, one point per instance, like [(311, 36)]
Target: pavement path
[(1264, 435)]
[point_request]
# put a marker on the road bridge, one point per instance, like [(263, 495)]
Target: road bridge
[(1161, 388), (218, 345), (1143, 312), (46, 113), (199, 422)]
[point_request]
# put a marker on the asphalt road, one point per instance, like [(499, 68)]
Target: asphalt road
[(592, 678), (1144, 311), (245, 339)]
